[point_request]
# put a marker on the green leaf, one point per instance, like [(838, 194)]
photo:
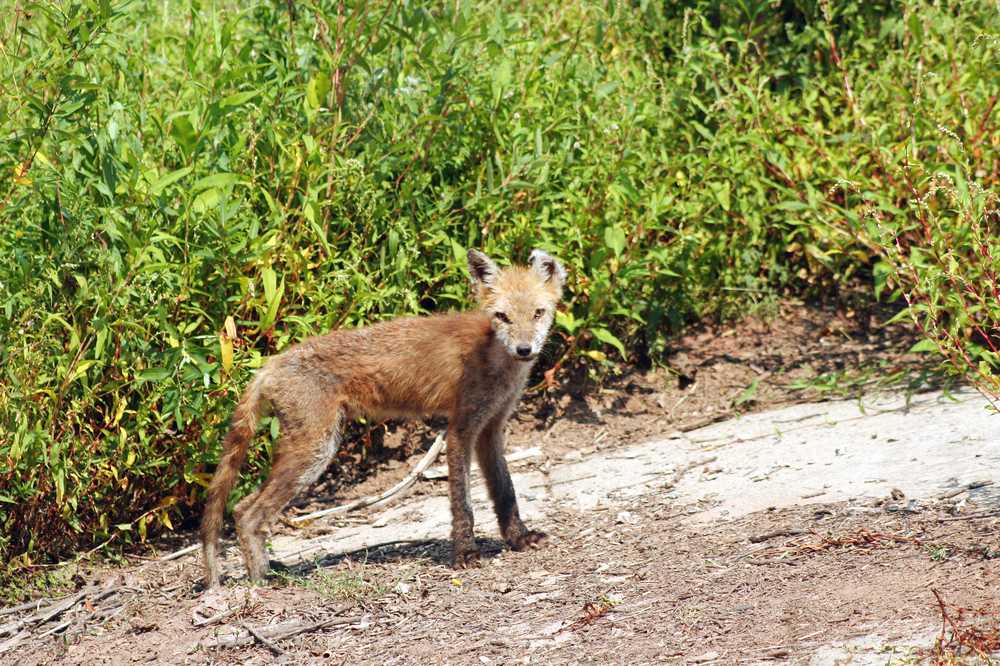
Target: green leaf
[(184, 134), (317, 90), (607, 337), (153, 375), (168, 179), (272, 296), (237, 99), (216, 180), (614, 238), (206, 200), (605, 89), (925, 345), (747, 394), (881, 272), (458, 252), (722, 191)]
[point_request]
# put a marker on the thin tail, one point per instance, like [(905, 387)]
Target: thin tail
[(234, 453)]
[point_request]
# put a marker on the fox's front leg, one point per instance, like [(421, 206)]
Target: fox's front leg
[(489, 451), (464, 550)]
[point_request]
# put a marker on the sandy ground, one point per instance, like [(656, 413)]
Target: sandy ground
[(636, 586)]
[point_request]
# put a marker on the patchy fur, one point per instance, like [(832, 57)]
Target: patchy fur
[(470, 367)]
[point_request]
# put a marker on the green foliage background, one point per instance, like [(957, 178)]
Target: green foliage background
[(306, 165)]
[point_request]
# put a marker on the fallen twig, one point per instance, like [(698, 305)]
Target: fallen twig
[(264, 640), (180, 553), (218, 617), (767, 536), (965, 639), (965, 488), (971, 516), (382, 498), (12, 643), (859, 538), (48, 613), (591, 612), (277, 632), (28, 605), (56, 629)]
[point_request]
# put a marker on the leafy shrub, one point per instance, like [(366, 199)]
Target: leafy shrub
[(947, 273), (293, 167)]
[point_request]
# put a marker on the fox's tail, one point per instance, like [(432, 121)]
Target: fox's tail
[(234, 452)]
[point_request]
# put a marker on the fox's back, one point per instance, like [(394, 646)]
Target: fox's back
[(408, 365)]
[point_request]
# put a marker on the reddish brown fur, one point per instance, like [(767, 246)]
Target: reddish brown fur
[(469, 367)]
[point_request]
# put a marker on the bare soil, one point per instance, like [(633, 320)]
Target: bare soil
[(646, 585), (649, 584)]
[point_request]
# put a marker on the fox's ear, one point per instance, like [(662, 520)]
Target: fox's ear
[(548, 267), (481, 268)]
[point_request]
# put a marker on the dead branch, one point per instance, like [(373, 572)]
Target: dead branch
[(264, 640), (966, 637), (277, 632), (218, 617), (180, 553), (971, 516), (382, 498), (28, 605), (12, 643), (767, 536), (969, 486), (56, 629), (861, 538), (48, 613)]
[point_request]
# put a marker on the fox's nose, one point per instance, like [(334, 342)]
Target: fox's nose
[(524, 351)]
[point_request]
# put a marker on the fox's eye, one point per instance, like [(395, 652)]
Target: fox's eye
[(539, 312), (502, 317)]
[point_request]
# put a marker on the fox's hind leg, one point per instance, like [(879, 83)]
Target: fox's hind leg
[(307, 443)]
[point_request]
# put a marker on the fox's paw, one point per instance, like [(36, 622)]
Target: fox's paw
[(526, 539), (466, 558)]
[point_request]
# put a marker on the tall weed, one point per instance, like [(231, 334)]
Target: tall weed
[(191, 186)]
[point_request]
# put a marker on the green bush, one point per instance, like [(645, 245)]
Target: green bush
[(307, 165)]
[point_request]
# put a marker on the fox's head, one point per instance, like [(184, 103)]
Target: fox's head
[(520, 300)]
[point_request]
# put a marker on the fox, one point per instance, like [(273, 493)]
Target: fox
[(470, 367)]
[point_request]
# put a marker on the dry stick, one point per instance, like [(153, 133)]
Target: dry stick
[(264, 641), (382, 498), (971, 516), (969, 486), (945, 618), (985, 120), (35, 605), (767, 536), (218, 617), (12, 643), (50, 613), (294, 629), (180, 553), (59, 627)]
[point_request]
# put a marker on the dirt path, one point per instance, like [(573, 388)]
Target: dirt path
[(816, 534)]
